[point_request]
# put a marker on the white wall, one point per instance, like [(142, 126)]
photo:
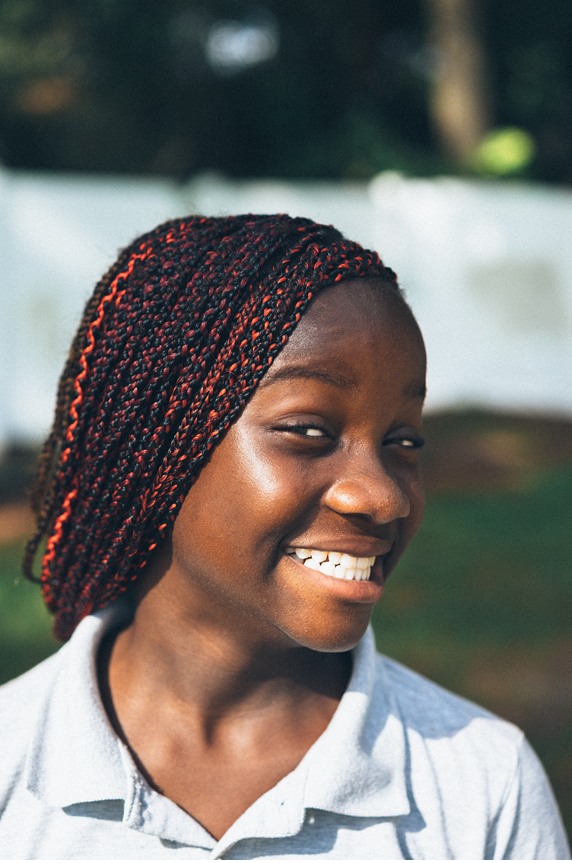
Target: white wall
[(58, 236), (488, 271), (486, 267)]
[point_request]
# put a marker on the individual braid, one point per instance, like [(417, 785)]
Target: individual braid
[(172, 343)]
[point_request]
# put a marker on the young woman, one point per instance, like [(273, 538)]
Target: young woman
[(231, 477)]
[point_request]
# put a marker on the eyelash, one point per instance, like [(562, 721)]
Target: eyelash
[(411, 443), (408, 442), (303, 429)]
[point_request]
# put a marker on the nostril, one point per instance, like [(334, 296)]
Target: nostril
[(381, 502)]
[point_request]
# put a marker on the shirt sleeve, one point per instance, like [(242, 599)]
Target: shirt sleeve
[(528, 826)]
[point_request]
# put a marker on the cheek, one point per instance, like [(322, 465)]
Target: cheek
[(242, 503), (409, 526), (269, 484), (417, 502), (273, 495)]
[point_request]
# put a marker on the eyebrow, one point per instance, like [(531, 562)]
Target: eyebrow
[(337, 380), (415, 390)]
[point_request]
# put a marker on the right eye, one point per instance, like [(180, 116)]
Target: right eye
[(313, 432), (306, 430)]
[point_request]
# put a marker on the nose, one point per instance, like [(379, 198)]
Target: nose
[(368, 489)]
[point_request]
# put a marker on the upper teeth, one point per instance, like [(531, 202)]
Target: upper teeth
[(334, 563)]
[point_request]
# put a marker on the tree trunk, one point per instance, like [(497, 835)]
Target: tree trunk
[(459, 101)]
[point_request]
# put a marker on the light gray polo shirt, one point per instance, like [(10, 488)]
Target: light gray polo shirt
[(404, 770)]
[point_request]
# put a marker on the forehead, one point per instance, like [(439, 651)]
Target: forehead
[(355, 325)]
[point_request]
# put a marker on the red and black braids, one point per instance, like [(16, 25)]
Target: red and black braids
[(173, 342)]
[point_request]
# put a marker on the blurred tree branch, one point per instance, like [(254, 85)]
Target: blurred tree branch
[(459, 103)]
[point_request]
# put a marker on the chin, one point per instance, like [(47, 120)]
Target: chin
[(331, 639)]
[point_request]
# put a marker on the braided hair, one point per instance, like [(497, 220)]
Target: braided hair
[(172, 343)]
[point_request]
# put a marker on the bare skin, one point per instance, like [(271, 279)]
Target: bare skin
[(237, 656)]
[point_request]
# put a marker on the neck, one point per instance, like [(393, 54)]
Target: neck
[(178, 651)]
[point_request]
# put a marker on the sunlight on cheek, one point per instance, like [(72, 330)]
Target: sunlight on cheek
[(266, 481)]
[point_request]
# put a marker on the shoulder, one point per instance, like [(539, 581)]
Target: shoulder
[(490, 785), (21, 694), (433, 711), (449, 737), (21, 702)]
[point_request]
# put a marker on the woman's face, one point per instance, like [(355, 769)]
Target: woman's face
[(324, 457)]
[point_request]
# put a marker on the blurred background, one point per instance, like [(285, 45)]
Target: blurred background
[(438, 132)]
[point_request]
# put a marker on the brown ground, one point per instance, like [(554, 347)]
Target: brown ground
[(16, 522), (491, 451)]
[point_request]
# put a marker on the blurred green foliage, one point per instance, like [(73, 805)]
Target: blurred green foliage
[(504, 152), (127, 86), (25, 624)]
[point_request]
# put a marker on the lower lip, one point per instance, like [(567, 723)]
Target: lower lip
[(352, 591)]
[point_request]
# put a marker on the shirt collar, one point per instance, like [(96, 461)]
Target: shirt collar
[(365, 779), (367, 776), (76, 757)]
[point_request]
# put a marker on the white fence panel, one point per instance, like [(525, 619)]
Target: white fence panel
[(486, 267), (59, 235)]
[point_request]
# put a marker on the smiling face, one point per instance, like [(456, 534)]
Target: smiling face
[(324, 457)]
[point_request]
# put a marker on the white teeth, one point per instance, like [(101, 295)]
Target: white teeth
[(334, 563), (312, 564), (348, 562)]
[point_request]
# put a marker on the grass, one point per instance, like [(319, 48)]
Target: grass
[(481, 603), (25, 628)]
